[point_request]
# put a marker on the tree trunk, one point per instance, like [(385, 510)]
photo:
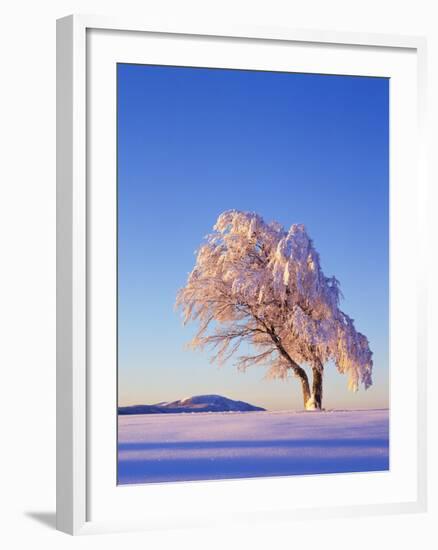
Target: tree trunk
[(297, 370), (305, 388), (301, 374), (317, 388)]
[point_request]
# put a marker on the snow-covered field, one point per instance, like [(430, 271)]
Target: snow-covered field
[(181, 447)]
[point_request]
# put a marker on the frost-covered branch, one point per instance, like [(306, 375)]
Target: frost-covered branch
[(256, 283)]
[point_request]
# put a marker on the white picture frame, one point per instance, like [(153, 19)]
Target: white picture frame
[(81, 486)]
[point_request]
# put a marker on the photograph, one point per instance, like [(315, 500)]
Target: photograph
[(252, 274)]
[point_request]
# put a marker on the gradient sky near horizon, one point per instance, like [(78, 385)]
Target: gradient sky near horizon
[(297, 148)]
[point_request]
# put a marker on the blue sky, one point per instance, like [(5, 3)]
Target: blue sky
[(297, 148)]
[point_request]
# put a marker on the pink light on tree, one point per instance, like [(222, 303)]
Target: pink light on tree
[(255, 283)]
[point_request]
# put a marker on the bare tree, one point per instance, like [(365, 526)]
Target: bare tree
[(256, 283)]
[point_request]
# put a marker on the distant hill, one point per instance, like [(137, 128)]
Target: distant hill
[(198, 403)]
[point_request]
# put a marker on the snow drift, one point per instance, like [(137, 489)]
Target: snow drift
[(183, 447)]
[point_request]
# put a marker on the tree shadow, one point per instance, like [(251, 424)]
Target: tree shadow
[(45, 518), (326, 443), (179, 468)]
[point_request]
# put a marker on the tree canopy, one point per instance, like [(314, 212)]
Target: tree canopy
[(256, 283)]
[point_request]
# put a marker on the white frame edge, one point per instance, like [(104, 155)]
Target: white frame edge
[(71, 336), (71, 433)]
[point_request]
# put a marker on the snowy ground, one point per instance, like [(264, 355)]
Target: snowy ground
[(181, 447)]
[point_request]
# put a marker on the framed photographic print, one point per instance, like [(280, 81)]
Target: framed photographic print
[(241, 306)]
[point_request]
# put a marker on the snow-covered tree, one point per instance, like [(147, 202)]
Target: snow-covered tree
[(256, 283)]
